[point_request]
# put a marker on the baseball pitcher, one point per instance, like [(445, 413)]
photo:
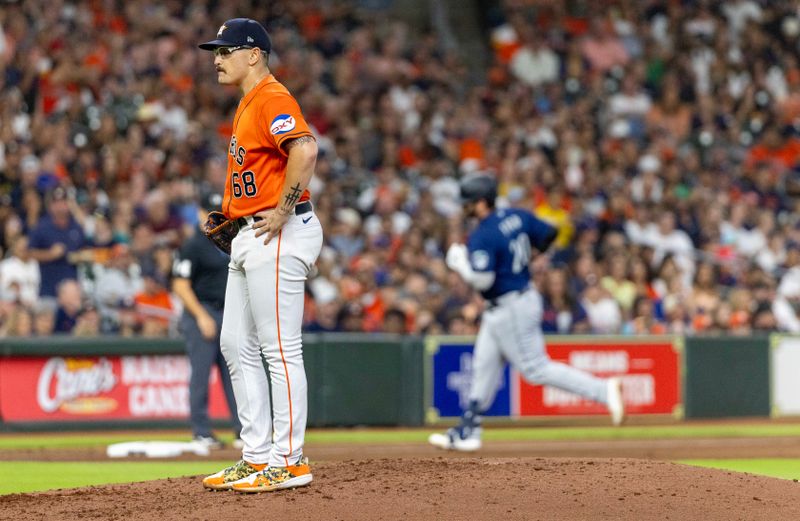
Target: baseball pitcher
[(273, 237), (495, 262)]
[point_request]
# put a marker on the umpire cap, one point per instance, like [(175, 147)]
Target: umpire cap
[(242, 32), (477, 187), (211, 201)]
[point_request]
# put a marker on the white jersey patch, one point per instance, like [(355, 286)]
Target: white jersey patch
[(182, 268), (282, 124), (480, 260)]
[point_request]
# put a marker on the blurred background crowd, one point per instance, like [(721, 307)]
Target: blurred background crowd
[(661, 138)]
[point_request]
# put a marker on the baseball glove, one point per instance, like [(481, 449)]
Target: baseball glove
[(220, 230)]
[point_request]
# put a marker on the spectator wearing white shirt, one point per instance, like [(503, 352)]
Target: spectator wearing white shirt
[(638, 227), (631, 104), (666, 239), (787, 297), (117, 284), (647, 187), (774, 255), (605, 316), (739, 13), (751, 242), (535, 64), (19, 274)]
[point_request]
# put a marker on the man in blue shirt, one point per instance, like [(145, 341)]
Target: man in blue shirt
[(495, 262), (55, 241)]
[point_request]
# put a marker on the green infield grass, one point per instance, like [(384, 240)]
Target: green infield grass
[(30, 476), (419, 435), (773, 467)]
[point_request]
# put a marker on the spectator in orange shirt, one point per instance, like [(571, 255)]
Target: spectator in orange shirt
[(154, 308), (774, 150)]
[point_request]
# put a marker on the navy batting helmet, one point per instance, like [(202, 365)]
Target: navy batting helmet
[(477, 187)]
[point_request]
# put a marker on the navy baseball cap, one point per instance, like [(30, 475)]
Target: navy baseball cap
[(211, 201), (240, 32)]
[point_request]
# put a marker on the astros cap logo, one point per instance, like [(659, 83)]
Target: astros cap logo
[(221, 29)]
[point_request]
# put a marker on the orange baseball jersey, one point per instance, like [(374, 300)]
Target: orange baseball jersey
[(266, 118)]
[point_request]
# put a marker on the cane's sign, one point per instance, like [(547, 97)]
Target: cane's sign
[(75, 385), (76, 389)]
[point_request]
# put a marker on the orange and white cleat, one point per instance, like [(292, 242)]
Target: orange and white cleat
[(224, 479), (276, 478)]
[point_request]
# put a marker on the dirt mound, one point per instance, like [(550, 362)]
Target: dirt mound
[(442, 488)]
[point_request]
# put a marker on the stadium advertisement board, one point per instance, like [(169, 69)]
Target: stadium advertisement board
[(452, 365), (650, 368), (77, 388)]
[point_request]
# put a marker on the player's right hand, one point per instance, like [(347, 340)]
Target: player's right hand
[(271, 223), (207, 326)]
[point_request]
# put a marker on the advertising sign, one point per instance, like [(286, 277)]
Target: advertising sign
[(650, 369), (650, 373), (100, 388), (451, 369)]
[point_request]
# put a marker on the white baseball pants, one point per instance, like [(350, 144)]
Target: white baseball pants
[(512, 332), (262, 326)]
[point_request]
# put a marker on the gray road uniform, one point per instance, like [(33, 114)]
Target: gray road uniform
[(495, 262)]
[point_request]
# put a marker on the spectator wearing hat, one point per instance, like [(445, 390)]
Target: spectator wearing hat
[(57, 235), (200, 274)]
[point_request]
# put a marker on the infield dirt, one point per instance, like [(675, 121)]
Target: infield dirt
[(584, 480)]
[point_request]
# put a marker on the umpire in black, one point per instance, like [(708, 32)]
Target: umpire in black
[(200, 273)]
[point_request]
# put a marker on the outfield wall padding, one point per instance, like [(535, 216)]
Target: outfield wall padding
[(352, 380), (364, 379), (727, 377)]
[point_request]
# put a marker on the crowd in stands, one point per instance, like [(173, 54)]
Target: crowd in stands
[(661, 138)]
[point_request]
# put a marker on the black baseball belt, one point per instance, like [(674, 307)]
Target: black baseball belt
[(300, 209), (505, 298)]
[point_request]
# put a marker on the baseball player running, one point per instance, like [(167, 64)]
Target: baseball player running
[(495, 262), (274, 239)]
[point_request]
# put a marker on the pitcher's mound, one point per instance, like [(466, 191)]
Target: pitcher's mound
[(442, 489)]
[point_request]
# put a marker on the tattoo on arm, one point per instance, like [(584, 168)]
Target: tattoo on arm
[(290, 200), (298, 141), (287, 206)]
